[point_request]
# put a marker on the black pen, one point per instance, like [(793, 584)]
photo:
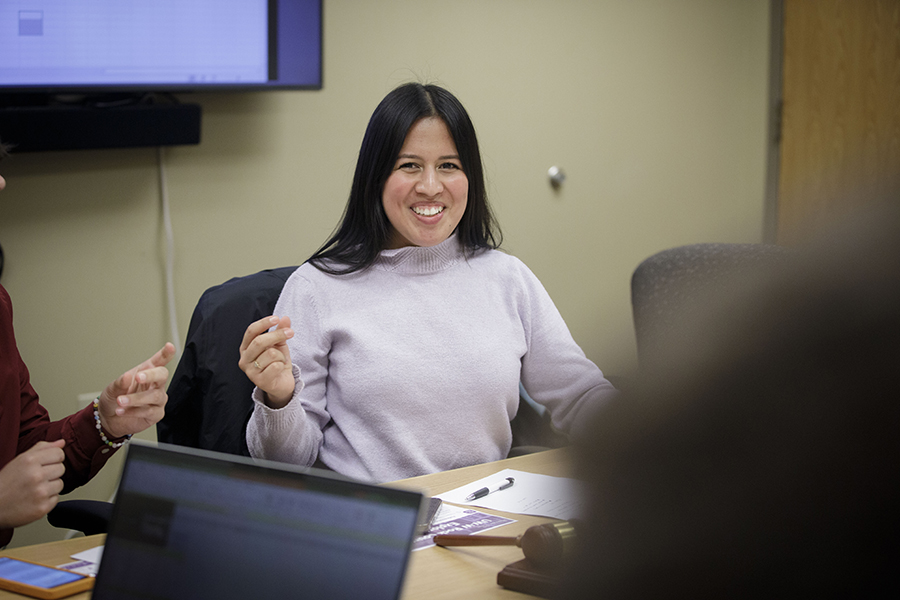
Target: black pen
[(506, 484)]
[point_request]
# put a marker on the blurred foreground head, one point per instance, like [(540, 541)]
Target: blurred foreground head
[(764, 461)]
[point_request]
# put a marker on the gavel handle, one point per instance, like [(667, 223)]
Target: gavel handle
[(475, 540)]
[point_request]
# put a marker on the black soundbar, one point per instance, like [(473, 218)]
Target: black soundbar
[(41, 128)]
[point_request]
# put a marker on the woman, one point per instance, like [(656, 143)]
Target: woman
[(413, 329)]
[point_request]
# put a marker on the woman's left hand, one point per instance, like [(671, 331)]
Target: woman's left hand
[(137, 399)]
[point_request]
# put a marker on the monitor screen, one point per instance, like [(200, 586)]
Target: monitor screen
[(98, 46), (196, 524)]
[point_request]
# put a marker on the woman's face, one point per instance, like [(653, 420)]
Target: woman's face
[(426, 193)]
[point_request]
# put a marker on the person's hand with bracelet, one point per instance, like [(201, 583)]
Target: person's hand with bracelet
[(134, 401)]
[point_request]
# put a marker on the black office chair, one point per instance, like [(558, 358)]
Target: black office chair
[(209, 396), (90, 517), (678, 284), (532, 430)]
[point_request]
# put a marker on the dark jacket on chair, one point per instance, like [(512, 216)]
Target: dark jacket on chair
[(209, 396)]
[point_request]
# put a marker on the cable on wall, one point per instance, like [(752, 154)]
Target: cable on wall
[(170, 278), (170, 255)]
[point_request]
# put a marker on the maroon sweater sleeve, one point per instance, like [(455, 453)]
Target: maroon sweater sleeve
[(24, 422)]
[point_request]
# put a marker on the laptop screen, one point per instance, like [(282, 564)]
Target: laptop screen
[(196, 524)]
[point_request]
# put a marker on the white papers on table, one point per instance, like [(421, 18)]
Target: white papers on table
[(540, 495), (86, 562)]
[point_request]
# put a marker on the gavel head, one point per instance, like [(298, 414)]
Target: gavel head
[(549, 544)]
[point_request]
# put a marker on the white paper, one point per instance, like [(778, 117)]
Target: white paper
[(540, 495), (86, 562)]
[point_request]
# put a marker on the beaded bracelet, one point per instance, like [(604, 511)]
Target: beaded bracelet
[(103, 437)]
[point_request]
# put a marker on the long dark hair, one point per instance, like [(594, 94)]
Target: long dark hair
[(364, 228)]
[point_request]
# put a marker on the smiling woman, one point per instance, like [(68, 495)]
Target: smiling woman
[(421, 116), (425, 196), (398, 347)]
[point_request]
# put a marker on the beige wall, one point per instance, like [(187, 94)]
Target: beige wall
[(655, 109)]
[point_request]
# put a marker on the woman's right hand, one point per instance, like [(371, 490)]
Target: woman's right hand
[(266, 360)]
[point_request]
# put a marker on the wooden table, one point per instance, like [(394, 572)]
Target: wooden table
[(471, 572), (434, 573), (53, 554)]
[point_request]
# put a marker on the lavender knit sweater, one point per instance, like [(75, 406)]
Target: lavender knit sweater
[(412, 366)]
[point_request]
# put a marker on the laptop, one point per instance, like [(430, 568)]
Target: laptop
[(195, 524)]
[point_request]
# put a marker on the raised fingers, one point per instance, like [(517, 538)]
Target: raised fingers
[(154, 397), (261, 347), (162, 357), (266, 359), (153, 377), (146, 406), (255, 329)]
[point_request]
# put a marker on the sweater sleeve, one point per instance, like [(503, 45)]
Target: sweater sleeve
[(293, 434), (555, 371)]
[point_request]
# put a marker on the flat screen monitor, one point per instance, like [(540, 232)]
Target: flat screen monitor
[(109, 46)]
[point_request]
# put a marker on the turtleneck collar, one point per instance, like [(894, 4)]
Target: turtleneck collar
[(416, 260)]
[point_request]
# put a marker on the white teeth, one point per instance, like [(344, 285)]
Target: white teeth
[(427, 211)]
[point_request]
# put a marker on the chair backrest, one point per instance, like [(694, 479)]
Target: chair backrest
[(678, 283), (209, 396), (532, 430)]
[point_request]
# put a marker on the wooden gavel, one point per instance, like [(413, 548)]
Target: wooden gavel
[(544, 545)]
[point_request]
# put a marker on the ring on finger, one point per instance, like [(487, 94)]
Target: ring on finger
[(257, 365)]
